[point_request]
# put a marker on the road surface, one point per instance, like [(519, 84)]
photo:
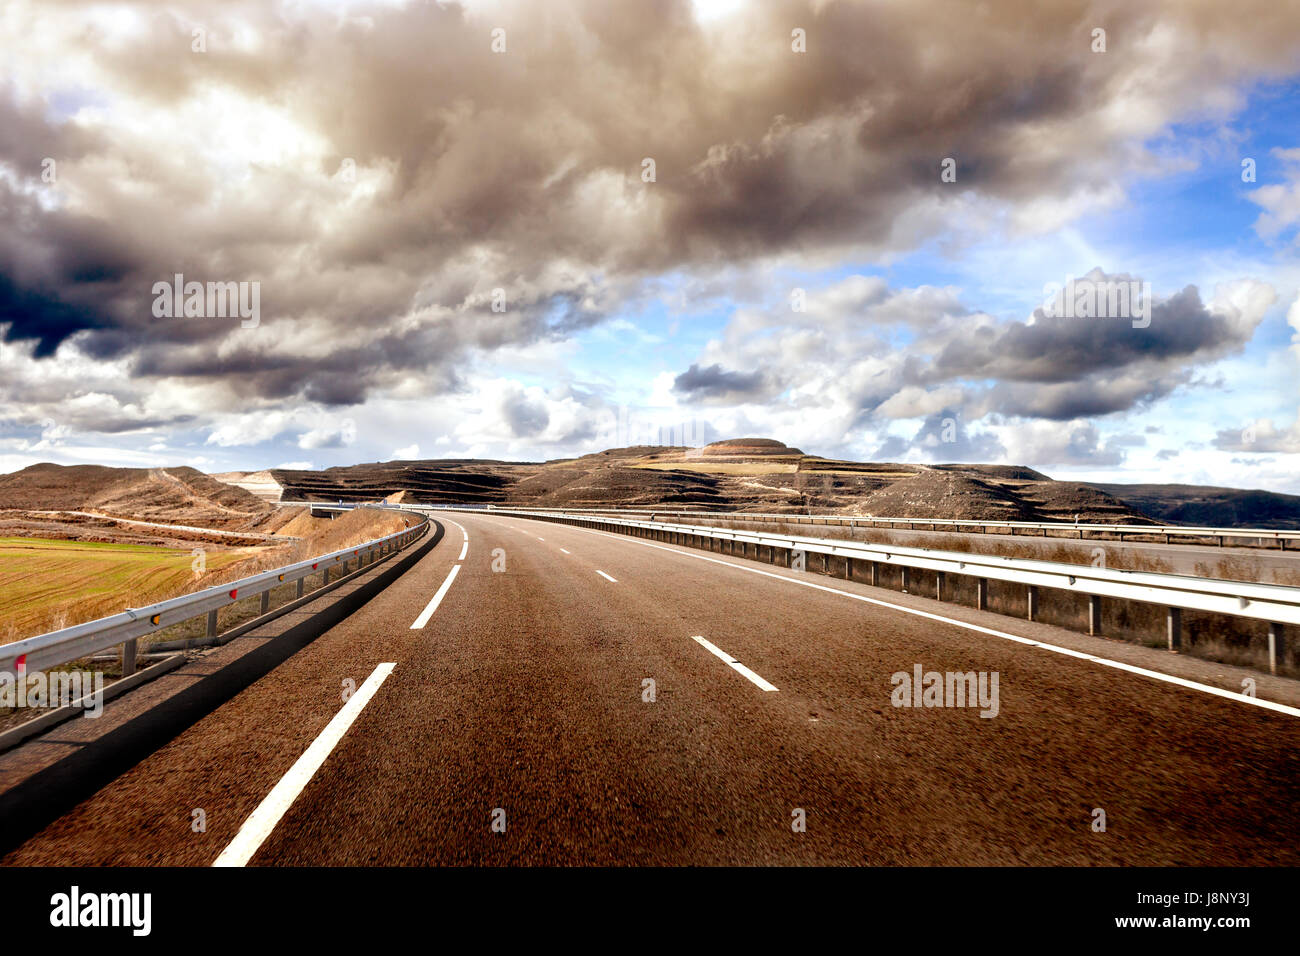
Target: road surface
[(517, 726)]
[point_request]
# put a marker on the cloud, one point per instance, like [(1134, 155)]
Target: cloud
[(1293, 320), (864, 354), (381, 172), (334, 435), (1280, 201), (1064, 367), (409, 453), (1043, 444), (716, 383), (526, 418), (1261, 437)]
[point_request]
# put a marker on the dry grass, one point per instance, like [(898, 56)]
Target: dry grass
[(50, 585)]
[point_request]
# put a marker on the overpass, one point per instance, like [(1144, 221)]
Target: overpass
[(517, 689)]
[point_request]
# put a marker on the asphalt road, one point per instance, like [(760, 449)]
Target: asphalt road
[(516, 727)]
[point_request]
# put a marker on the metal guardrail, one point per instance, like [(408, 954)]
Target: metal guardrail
[(81, 640), (1082, 531), (1274, 604)]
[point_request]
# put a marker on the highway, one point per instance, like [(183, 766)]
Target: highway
[(533, 693)]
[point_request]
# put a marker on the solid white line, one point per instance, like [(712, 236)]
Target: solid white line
[(427, 613), (464, 550), (262, 821), (607, 577), (733, 663), (1054, 648)]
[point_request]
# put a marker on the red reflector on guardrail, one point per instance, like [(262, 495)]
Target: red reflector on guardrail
[(233, 593), (20, 665)]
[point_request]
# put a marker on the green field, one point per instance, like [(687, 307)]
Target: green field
[(48, 584)]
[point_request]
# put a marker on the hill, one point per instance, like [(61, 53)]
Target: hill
[(748, 474), (177, 495), (753, 474), (1208, 506)]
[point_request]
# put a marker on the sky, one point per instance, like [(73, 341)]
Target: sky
[(524, 231)]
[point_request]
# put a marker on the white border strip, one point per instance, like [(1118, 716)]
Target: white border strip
[(432, 606), (733, 663), (268, 813)]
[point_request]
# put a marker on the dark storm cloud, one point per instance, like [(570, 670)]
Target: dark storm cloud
[(715, 382), (521, 170), (1058, 348), (1062, 367)]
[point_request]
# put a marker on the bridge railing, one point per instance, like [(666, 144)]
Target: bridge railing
[(125, 629), (1281, 537), (1274, 604)]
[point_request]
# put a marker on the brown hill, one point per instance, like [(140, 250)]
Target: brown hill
[(947, 494), (166, 495), (752, 474), (748, 474), (934, 494), (749, 448)]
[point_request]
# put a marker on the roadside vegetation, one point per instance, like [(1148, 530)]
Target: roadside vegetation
[(46, 585)]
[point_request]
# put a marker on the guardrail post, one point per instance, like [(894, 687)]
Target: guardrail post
[(325, 576), (266, 601), (938, 586), (128, 657), (875, 574), (905, 576), (1031, 602), (1173, 627), (982, 594), (848, 569), (212, 623), (1094, 614), (1276, 646), (301, 584)]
